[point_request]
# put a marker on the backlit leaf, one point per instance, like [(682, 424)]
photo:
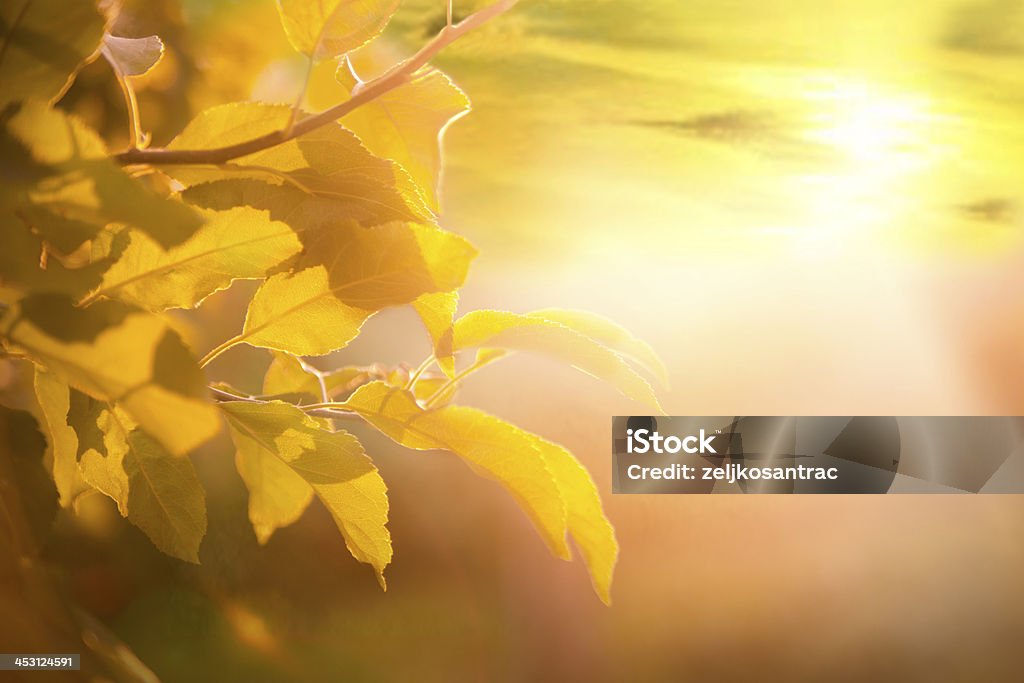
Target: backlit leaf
[(530, 333), (102, 446), (329, 164), (437, 310), (158, 493), (348, 274), (490, 446), (53, 397), (332, 463), (236, 244), (166, 499), (610, 334), (588, 526), (133, 56), (407, 123), (277, 494), (118, 354), (328, 28), (524, 463), (42, 45), (68, 174)]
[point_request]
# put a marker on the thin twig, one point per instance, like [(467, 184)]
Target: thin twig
[(319, 378), (371, 90), (332, 414), (328, 409), (230, 343), (419, 371), (450, 385), (221, 395), (130, 103)]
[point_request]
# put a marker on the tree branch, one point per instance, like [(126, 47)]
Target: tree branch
[(389, 80), (329, 410)]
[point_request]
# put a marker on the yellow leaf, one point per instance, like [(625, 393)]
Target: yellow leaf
[(118, 354), (44, 44), (524, 463), (277, 494), (132, 56), (530, 333), (407, 124), (323, 29), (332, 463), (54, 400), (240, 243), (490, 446), (72, 178), (328, 164), (437, 310), (157, 492), (102, 447), (165, 499), (348, 275), (590, 529), (610, 334), (298, 313)]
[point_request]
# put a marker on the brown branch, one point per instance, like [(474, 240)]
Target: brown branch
[(389, 80)]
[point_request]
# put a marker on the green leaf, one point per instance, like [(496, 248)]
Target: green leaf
[(323, 29), (531, 333), (437, 311), (406, 124), (118, 354), (166, 499), (610, 334), (158, 493), (240, 243), (65, 172), (132, 56), (329, 164), (332, 463), (344, 277), (42, 44), (490, 446)]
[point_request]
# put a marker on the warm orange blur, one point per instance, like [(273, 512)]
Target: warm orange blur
[(805, 208)]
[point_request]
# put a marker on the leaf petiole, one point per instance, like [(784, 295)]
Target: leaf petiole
[(419, 371), (218, 350)]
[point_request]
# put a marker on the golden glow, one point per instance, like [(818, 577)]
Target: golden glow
[(880, 145), (871, 127)]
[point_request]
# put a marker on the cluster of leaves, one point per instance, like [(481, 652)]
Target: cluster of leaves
[(338, 221)]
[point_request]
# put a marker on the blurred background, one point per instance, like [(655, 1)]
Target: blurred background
[(805, 207)]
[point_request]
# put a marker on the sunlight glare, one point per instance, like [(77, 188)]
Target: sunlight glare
[(882, 145)]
